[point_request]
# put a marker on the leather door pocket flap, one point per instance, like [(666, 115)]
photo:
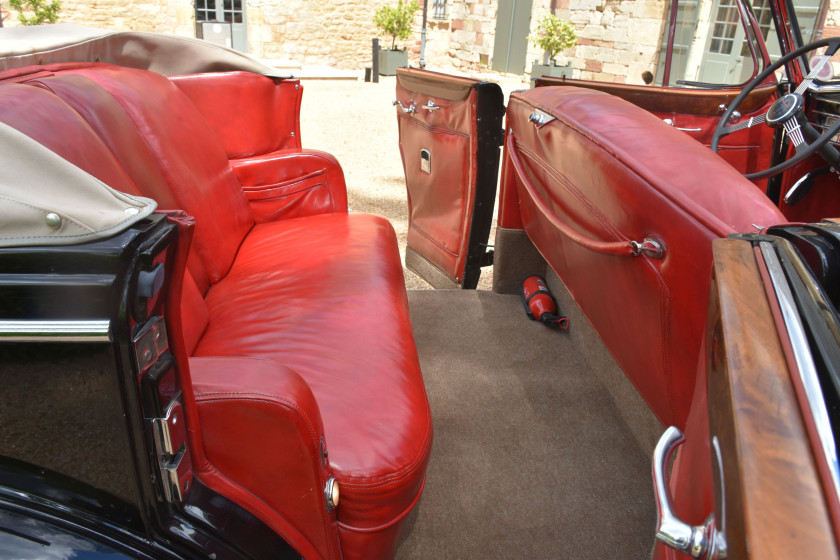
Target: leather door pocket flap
[(285, 188)]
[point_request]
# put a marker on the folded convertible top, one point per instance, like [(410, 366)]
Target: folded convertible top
[(164, 54)]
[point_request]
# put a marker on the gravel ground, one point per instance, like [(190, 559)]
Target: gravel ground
[(355, 121)]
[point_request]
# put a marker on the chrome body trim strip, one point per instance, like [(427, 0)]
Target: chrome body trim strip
[(804, 361), (92, 330)]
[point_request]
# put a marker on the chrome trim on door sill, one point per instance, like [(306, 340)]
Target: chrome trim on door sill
[(55, 331)]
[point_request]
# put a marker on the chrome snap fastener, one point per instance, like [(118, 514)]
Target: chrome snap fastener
[(53, 220)]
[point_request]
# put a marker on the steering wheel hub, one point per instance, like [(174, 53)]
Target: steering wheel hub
[(784, 109)]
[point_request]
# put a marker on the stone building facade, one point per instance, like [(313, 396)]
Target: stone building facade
[(619, 39)]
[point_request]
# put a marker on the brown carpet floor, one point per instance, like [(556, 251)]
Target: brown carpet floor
[(530, 457)]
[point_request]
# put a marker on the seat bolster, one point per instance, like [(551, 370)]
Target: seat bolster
[(292, 184), (263, 438)]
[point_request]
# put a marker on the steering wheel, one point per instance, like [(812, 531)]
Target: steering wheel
[(788, 113)]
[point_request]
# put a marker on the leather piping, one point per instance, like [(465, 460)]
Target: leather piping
[(618, 248), (391, 523)]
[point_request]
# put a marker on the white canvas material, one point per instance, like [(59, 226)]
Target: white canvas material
[(46, 200)]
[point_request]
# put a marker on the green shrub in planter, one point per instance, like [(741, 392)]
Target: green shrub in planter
[(396, 22), (553, 35)]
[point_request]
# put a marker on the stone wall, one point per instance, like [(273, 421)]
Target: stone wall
[(161, 16), (619, 39), (336, 33)]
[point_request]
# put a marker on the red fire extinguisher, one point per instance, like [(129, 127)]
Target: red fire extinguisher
[(540, 305)]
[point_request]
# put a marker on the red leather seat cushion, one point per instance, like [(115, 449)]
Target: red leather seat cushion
[(323, 295)]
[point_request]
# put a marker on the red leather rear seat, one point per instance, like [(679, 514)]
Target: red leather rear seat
[(277, 313)]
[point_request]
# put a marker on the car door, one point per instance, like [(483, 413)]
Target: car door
[(751, 474), (450, 131)]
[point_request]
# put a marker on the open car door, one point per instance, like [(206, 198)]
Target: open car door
[(450, 134)]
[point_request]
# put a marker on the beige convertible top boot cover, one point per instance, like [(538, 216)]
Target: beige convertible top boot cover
[(46, 200), (164, 54)]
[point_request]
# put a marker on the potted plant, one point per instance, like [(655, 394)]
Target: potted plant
[(553, 35), (395, 21)]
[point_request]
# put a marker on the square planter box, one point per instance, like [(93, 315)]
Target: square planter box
[(553, 70), (390, 60)]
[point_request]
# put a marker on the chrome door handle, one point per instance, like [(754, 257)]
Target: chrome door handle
[(697, 541), (670, 122), (430, 106), (410, 109)]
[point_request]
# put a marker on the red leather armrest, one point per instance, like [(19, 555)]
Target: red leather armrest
[(291, 184), (264, 442)]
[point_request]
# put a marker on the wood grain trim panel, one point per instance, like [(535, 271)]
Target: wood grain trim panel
[(673, 100), (774, 507)]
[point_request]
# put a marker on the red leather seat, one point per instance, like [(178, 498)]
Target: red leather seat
[(303, 360), (329, 277)]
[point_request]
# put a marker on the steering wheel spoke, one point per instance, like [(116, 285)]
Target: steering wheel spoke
[(749, 123), (786, 112), (794, 132)]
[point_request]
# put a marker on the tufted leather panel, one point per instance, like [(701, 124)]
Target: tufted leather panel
[(251, 114), (50, 121), (329, 278), (613, 172), (292, 183), (188, 153)]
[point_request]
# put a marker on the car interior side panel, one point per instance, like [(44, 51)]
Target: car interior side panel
[(597, 174)]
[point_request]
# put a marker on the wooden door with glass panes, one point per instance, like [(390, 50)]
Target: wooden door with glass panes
[(230, 11), (723, 61)]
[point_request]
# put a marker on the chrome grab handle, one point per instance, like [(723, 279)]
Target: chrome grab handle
[(430, 106), (697, 541), (410, 109)]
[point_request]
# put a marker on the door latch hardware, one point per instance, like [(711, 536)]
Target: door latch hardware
[(170, 435), (734, 117), (426, 161), (649, 247), (540, 118), (410, 109), (697, 541)]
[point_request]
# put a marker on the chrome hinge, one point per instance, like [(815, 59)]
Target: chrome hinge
[(150, 343), (170, 435)]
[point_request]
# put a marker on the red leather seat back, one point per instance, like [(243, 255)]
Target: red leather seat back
[(613, 172), (268, 122), (187, 151), (50, 121)]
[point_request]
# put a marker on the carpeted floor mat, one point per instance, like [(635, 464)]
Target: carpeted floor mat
[(530, 457)]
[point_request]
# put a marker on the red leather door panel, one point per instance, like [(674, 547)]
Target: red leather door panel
[(450, 133), (696, 112)]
